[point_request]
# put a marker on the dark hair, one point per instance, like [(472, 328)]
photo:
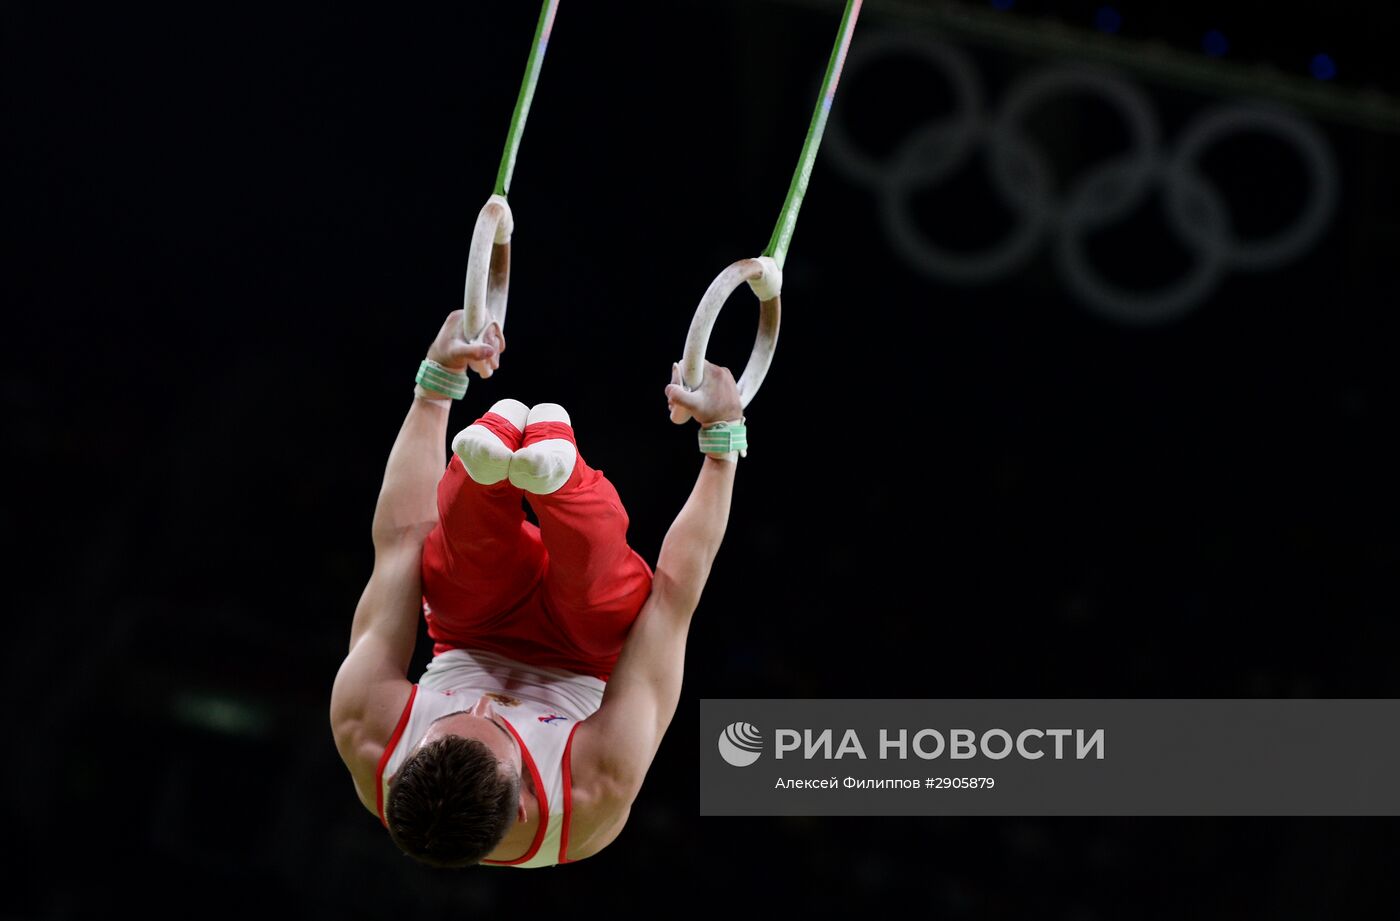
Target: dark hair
[(449, 804)]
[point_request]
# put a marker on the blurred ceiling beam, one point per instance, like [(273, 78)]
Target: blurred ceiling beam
[(1369, 108)]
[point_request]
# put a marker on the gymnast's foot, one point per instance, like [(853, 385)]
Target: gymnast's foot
[(486, 446), (548, 455)]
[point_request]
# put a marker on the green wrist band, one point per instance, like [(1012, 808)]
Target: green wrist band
[(434, 376), (724, 437)]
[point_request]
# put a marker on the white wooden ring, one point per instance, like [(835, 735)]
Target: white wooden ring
[(485, 298), (766, 280)]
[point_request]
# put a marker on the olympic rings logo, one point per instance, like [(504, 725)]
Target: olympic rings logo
[(1022, 177)]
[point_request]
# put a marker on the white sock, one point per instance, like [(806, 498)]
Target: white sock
[(543, 467), (485, 456)]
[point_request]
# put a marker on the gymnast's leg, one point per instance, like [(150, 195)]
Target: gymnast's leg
[(595, 583), (483, 558)]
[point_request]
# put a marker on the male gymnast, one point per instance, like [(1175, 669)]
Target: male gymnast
[(557, 652)]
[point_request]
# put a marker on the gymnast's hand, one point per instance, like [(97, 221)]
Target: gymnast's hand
[(450, 350), (717, 399)]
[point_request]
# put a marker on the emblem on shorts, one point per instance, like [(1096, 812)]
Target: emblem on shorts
[(551, 717)]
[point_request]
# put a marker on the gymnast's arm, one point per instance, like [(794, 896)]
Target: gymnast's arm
[(614, 748), (371, 687)]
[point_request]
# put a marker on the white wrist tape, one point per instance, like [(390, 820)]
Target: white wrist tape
[(431, 396)]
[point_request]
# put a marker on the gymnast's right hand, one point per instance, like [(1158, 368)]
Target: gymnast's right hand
[(450, 350)]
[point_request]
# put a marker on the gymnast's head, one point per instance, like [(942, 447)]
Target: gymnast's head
[(459, 792)]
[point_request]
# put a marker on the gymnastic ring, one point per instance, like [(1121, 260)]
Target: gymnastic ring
[(766, 280), (485, 298)]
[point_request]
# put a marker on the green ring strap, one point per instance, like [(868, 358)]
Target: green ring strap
[(527, 93), (787, 218)]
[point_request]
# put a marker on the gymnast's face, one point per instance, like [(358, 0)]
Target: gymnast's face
[(483, 724)]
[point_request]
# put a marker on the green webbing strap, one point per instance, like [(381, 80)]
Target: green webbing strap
[(724, 437), (434, 376), (527, 93), (787, 220)]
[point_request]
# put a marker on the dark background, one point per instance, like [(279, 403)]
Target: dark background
[(230, 236)]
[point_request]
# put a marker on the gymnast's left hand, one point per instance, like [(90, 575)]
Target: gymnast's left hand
[(450, 350), (717, 398)]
